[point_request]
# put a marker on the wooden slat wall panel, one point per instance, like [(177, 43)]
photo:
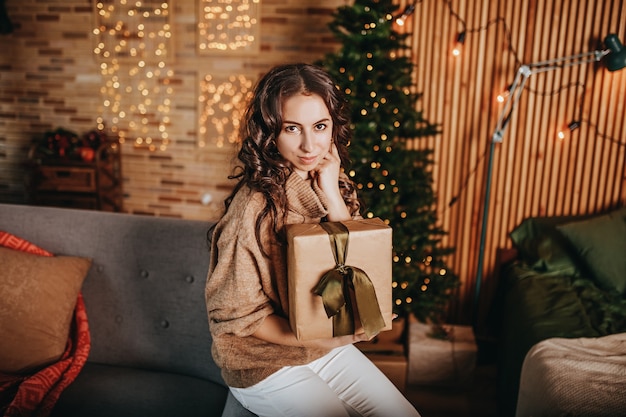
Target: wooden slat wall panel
[(534, 173)]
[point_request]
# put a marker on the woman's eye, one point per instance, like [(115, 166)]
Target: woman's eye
[(292, 129), (320, 126)]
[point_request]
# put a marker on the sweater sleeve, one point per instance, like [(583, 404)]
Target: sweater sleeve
[(236, 302)]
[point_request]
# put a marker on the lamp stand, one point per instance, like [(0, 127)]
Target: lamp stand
[(515, 91)]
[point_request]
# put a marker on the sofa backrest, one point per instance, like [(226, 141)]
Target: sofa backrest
[(144, 293)]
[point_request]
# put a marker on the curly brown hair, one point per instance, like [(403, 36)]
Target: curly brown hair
[(262, 167)]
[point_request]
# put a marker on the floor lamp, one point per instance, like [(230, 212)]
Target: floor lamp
[(613, 57)]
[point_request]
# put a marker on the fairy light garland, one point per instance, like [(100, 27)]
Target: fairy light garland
[(457, 52), (386, 180), (222, 105), (133, 47), (227, 26)]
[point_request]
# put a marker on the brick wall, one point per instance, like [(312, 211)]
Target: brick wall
[(50, 78)]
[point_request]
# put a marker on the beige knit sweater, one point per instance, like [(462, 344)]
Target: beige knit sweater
[(244, 286)]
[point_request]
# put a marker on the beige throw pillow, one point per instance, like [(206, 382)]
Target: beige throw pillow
[(37, 299)]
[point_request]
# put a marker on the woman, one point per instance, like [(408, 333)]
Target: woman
[(294, 139)]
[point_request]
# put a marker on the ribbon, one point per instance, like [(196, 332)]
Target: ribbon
[(334, 288)]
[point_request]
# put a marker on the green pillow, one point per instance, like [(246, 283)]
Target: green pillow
[(542, 247), (601, 244)]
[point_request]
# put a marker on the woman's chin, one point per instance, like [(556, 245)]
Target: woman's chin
[(303, 173)]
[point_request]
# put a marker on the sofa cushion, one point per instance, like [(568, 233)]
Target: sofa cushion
[(105, 391), (39, 294), (601, 244), (542, 247)]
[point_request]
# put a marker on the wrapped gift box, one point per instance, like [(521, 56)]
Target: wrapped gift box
[(311, 255), (433, 361)]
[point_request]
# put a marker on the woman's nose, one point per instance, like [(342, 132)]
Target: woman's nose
[(306, 143)]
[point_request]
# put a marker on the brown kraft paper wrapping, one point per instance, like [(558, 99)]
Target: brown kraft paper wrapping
[(310, 256)]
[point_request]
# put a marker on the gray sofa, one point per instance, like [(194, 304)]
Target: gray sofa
[(144, 295)]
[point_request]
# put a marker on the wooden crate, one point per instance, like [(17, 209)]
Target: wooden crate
[(95, 185), (67, 178)]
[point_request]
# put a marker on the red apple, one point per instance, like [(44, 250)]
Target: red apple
[(87, 153)]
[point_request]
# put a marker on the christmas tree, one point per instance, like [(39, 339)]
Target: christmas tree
[(394, 178)]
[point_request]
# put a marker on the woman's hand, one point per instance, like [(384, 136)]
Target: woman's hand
[(326, 174), (327, 171), (337, 341), (276, 329)]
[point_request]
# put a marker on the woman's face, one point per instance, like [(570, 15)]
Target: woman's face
[(306, 134)]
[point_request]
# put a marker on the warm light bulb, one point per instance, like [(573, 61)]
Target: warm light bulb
[(503, 95), (408, 11), (571, 126), (460, 40)]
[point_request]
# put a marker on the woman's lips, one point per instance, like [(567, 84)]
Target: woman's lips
[(308, 160)]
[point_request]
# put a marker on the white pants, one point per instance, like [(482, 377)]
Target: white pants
[(342, 383)]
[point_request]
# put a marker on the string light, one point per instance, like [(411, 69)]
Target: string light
[(406, 290), (460, 40), (228, 25), (408, 11), (604, 135), (132, 44), (433, 273), (222, 103), (503, 95), (571, 126), (500, 98), (429, 274)]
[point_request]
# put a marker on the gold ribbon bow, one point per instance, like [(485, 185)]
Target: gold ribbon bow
[(334, 288)]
